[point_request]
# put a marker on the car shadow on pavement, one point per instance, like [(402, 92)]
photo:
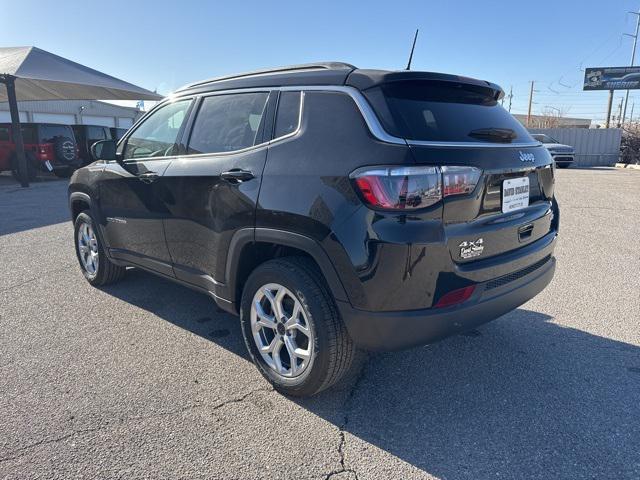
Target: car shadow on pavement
[(521, 397)]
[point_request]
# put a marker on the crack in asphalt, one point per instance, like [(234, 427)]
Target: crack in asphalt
[(341, 429), (39, 277), (23, 451)]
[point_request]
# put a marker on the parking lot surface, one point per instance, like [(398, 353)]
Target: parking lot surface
[(146, 379)]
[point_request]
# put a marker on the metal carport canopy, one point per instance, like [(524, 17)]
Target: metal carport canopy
[(31, 73)]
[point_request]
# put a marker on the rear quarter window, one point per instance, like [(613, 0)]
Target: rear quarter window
[(288, 115), (49, 133), (441, 111)]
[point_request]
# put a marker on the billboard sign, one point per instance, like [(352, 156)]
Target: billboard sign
[(612, 78)]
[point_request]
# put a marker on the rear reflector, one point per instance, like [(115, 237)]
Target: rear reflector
[(455, 297)]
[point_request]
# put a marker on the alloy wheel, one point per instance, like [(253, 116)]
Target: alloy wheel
[(88, 248), (281, 330)]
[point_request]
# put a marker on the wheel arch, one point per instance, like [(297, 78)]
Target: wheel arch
[(251, 247), (78, 201)]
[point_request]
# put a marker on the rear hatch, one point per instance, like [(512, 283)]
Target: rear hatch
[(501, 198)]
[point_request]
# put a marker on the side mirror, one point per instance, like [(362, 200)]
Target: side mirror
[(104, 150)]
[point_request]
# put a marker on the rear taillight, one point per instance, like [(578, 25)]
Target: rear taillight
[(412, 187), (459, 180), (455, 297)]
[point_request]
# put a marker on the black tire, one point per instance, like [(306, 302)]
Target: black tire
[(32, 169), (333, 353), (64, 172), (105, 272)]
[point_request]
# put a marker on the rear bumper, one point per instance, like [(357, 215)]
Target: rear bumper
[(491, 299)]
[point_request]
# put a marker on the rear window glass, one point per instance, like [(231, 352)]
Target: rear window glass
[(49, 133), (443, 111)]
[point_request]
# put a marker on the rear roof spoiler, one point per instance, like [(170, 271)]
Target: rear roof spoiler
[(364, 79)]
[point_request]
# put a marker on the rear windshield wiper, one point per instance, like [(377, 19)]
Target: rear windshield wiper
[(503, 135)]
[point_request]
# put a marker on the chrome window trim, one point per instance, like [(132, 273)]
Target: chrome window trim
[(253, 147), (380, 133), (369, 116)]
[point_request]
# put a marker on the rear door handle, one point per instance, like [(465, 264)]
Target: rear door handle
[(148, 177), (237, 175)]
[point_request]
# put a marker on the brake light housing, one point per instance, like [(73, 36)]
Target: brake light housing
[(402, 188)]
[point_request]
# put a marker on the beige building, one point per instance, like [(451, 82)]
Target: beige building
[(546, 121)]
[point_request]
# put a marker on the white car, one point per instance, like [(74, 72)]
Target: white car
[(562, 154)]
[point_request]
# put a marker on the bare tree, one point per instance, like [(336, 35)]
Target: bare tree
[(551, 118), (630, 144)]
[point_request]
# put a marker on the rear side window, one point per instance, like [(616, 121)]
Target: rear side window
[(28, 134), (49, 132), (96, 133), (226, 123), (288, 115), (443, 111)]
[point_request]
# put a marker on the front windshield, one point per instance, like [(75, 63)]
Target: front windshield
[(541, 137)]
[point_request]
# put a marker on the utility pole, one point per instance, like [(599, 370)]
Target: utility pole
[(510, 97), (530, 103), (633, 57), (620, 112), (631, 116), (609, 105)]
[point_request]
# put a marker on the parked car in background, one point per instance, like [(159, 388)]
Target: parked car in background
[(117, 133), (87, 135), (562, 154), (333, 209), (48, 147)]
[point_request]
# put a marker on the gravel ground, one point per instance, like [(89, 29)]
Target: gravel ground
[(146, 379)]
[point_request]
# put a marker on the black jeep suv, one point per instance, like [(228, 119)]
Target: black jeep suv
[(334, 209)]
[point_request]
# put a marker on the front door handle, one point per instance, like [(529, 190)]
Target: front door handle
[(237, 175), (148, 177)]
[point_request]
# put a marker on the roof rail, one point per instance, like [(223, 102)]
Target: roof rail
[(267, 71)]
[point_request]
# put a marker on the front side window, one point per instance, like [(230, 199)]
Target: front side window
[(157, 136), (226, 123)]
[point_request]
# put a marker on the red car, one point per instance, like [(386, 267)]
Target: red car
[(48, 147)]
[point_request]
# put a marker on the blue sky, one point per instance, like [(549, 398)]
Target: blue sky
[(163, 45)]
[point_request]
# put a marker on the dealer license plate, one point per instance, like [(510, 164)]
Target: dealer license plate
[(515, 194)]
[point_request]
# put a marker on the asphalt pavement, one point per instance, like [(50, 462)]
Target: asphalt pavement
[(147, 379)]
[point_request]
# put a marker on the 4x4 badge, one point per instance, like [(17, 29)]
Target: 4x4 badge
[(469, 249)]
